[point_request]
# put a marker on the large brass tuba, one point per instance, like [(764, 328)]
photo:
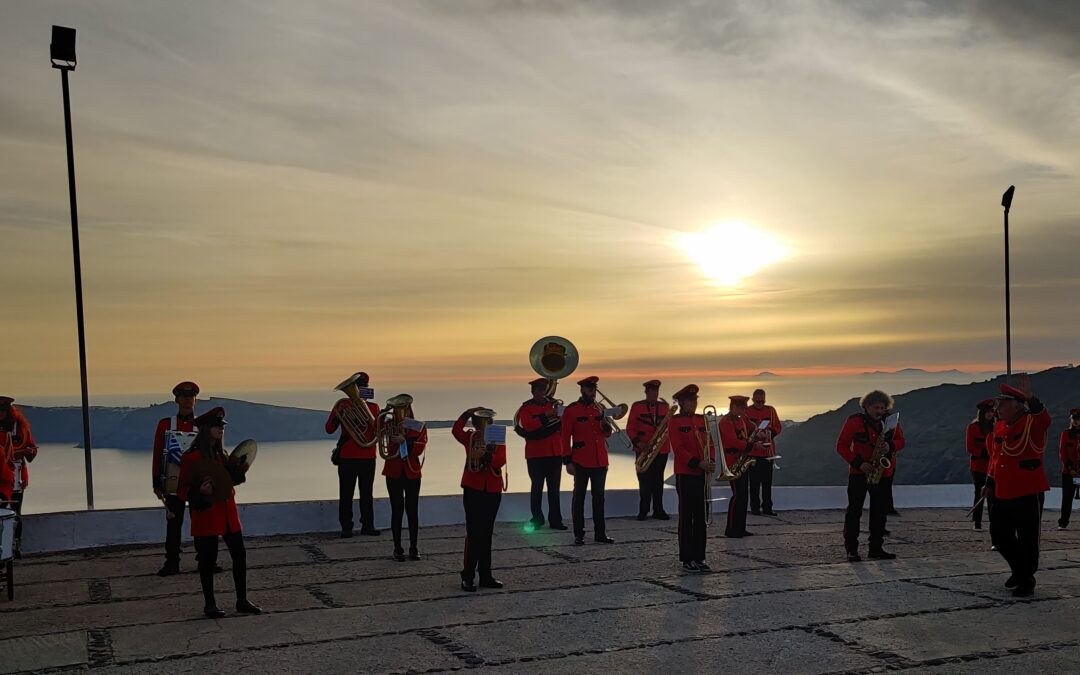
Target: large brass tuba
[(553, 357), (482, 419), (660, 436), (356, 418), (392, 423)]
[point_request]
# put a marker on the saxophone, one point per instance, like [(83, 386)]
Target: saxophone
[(742, 465), (660, 436), (879, 459)]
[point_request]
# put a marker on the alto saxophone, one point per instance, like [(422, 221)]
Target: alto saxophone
[(879, 459)]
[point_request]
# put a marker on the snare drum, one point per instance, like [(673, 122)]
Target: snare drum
[(7, 534)]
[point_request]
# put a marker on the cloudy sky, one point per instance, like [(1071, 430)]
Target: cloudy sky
[(275, 194)]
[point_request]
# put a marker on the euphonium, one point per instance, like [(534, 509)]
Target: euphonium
[(879, 459), (392, 423), (482, 419), (652, 449), (356, 419)]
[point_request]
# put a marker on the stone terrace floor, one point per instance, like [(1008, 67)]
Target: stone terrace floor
[(781, 601)]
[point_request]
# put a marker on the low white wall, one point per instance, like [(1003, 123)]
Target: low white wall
[(88, 529)]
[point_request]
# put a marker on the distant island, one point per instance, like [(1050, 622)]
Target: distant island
[(952, 372)]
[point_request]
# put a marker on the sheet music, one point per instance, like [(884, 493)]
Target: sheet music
[(495, 434)]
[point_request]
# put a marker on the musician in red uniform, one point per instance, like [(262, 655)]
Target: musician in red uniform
[(355, 459), (644, 418), (687, 434), (1019, 482), (403, 483), (739, 437), (1069, 453), (184, 394), (761, 474), (211, 519), (979, 453), (585, 430), (856, 445), (538, 422), (481, 495), (17, 450)]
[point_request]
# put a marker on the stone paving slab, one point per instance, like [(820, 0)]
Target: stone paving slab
[(998, 662), (44, 651)]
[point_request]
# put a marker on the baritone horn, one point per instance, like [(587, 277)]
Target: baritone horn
[(356, 418), (652, 449), (482, 419), (392, 423)]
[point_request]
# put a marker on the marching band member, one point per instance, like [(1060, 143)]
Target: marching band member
[(761, 474), (403, 486), (978, 452), (644, 417), (585, 431), (1069, 453), (537, 421), (355, 467), (687, 433), (17, 449), (1019, 482), (738, 437), (212, 519), (184, 394), (481, 495), (856, 445)]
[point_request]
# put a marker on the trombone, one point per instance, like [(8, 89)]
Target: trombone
[(712, 442)]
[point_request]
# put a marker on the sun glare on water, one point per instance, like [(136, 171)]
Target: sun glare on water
[(728, 252)]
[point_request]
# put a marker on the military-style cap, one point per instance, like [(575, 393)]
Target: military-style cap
[(689, 391), (186, 389), (738, 399), (651, 384), (985, 404), (589, 381), (538, 382), (214, 417), (1011, 394), (6, 401)]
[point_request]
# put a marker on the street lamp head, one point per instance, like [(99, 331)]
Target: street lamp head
[(1006, 199), (62, 49)]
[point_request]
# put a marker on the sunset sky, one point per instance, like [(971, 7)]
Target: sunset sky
[(276, 194)]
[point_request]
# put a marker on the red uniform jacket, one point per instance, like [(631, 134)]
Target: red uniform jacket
[(688, 435), (755, 417), (350, 449), (542, 438), (489, 478), (1069, 451), (219, 518), (24, 448), (642, 422), (166, 424), (978, 451), (735, 434), (857, 440), (1018, 454), (395, 466), (584, 435)]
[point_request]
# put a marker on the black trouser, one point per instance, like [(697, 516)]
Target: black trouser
[(761, 485), (541, 470), (736, 515), (886, 486), (857, 490), (582, 478), (16, 506), (692, 532), (174, 526), (404, 499), (1068, 492), (481, 508), (350, 472), (1014, 529), (979, 478), (651, 487), (207, 549)]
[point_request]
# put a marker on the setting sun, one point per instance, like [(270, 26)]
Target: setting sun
[(730, 251)]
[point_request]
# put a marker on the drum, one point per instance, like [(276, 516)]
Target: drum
[(7, 534), (176, 444)]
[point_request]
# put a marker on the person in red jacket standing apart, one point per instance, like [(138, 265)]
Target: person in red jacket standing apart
[(1019, 482), (979, 452), (645, 416), (585, 430), (214, 517), (1069, 453), (856, 445), (761, 473), (17, 449), (355, 459), (692, 471), (538, 422), (482, 487), (403, 483), (185, 395)]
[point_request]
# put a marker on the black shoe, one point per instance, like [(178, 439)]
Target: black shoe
[(755, 512), (558, 526), (1062, 525), (579, 541), (1012, 581), (245, 607), (17, 554), (642, 516), (212, 612), (853, 557), (603, 539), (414, 554), (887, 533), (345, 534), (1024, 589), (769, 512), (733, 535), (169, 569), (371, 532), (661, 516), (690, 567), (218, 569), (399, 555), (468, 585), (747, 534), (703, 566), (536, 524), (881, 554), (978, 526), (892, 512), (490, 582)]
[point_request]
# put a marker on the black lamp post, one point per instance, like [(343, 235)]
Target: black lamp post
[(1006, 202), (62, 51)]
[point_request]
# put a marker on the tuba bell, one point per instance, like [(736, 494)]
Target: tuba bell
[(553, 357), (392, 423), (355, 417)]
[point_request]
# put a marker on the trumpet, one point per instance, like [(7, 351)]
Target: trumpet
[(652, 449), (356, 417), (478, 447), (392, 424)]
